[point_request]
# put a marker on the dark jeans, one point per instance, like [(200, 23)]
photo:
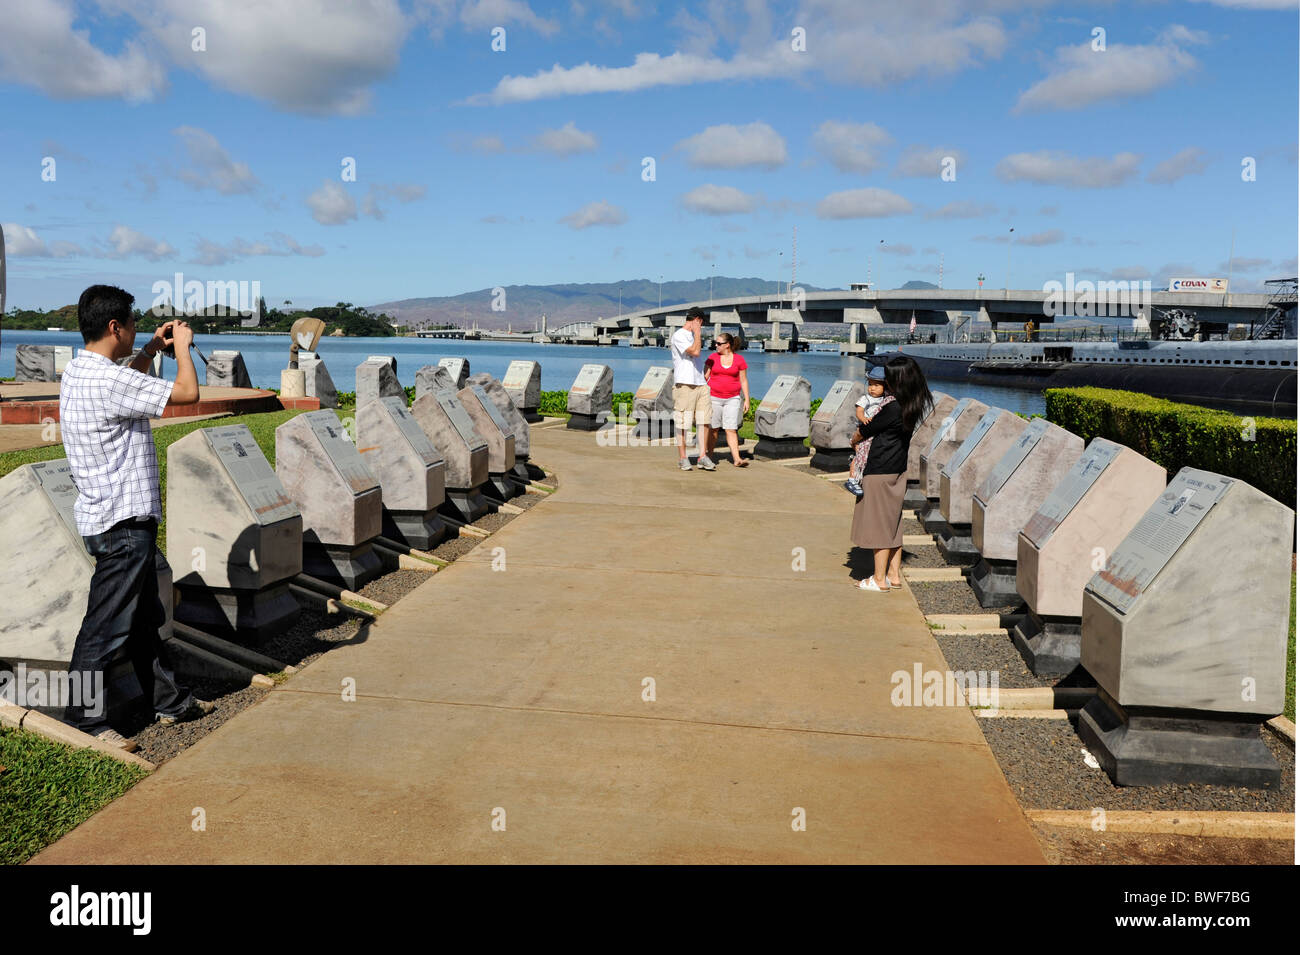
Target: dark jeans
[(124, 609)]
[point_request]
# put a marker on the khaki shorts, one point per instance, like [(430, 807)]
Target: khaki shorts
[(691, 404)]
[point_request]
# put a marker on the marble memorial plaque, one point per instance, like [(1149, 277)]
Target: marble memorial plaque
[(1014, 457), (251, 473), (1094, 460)]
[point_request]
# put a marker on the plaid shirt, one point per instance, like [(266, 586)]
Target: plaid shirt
[(104, 412)]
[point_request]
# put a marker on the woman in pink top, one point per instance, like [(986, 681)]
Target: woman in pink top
[(728, 381)]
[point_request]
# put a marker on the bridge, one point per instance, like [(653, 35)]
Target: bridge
[(440, 333), (860, 307)]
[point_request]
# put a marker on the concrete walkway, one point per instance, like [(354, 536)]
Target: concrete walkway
[(521, 690)]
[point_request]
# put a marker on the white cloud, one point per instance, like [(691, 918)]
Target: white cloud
[(1252, 4), (401, 191), (482, 15), (40, 47), (900, 248), (125, 241), (732, 147), (1082, 76), (311, 57), (488, 144), (212, 166), (719, 200), (921, 162), (565, 141), (648, 70), (23, 241), (331, 204), (862, 204), (215, 253), (851, 147), (1187, 162), (1050, 237), (962, 209), (1057, 168), (595, 213)]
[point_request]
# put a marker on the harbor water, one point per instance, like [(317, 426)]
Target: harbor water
[(266, 355)]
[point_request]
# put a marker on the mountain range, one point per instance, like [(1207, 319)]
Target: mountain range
[(522, 306)]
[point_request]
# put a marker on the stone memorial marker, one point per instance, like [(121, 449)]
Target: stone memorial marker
[(41, 362), (319, 383), (235, 534), (834, 424), (444, 419), (523, 383), (591, 397), (964, 472), (493, 429), (431, 378), (782, 419), (377, 378), (458, 368), (941, 408), (410, 472), (948, 437), (1008, 497), (652, 404), (1185, 632), (1066, 541), (226, 369), (523, 471), (340, 498), (45, 576)]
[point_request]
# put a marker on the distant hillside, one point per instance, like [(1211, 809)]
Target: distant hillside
[(526, 304)]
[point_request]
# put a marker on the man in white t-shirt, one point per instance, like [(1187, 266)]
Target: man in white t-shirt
[(691, 399)]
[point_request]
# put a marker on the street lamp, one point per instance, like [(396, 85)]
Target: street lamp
[(1008, 285)]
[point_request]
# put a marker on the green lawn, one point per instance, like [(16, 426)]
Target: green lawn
[(47, 789)]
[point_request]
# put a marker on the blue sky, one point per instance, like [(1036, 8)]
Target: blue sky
[(477, 168)]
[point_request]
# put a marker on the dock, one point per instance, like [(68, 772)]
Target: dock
[(672, 667)]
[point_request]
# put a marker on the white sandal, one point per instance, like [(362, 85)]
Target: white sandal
[(869, 583)]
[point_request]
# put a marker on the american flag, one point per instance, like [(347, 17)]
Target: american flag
[(912, 328)]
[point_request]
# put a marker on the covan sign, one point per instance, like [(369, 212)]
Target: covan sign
[(1198, 285)]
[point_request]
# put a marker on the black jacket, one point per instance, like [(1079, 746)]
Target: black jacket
[(889, 440)]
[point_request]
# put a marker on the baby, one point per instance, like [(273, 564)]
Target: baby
[(867, 407)]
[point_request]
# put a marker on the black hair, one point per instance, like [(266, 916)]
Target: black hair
[(906, 382), (98, 306), (695, 312)]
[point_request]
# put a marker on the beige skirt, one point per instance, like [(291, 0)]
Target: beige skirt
[(878, 515)]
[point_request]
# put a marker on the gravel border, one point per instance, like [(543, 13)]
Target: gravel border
[(952, 596), (1043, 764), (990, 654)]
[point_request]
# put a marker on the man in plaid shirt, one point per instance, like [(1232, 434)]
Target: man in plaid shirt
[(104, 412)]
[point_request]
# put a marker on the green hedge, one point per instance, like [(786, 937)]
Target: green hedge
[(1178, 435)]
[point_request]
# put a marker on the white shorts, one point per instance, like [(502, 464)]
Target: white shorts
[(726, 413)]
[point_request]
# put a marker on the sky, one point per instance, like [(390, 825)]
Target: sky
[(374, 150)]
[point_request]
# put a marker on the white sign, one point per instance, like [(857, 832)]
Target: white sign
[(1219, 286)]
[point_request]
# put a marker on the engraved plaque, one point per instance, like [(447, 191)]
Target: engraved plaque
[(55, 478), (519, 374), (975, 437), (343, 454), (1157, 536), (1014, 457), (1071, 490), (942, 431), (833, 400), (653, 382), (779, 391), (587, 379), (459, 418), (492, 411), (411, 430), (243, 460)]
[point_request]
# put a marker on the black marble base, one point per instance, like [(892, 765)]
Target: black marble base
[(832, 459), (1151, 746), (914, 497), (653, 428), (994, 582), (465, 505), (587, 422), (247, 617), (500, 488), (780, 448), (1050, 645), (421, 530), (348, 567), (530, 415), (931, 517), (955, 544)]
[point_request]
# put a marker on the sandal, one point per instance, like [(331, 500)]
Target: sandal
[(869, 583)]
